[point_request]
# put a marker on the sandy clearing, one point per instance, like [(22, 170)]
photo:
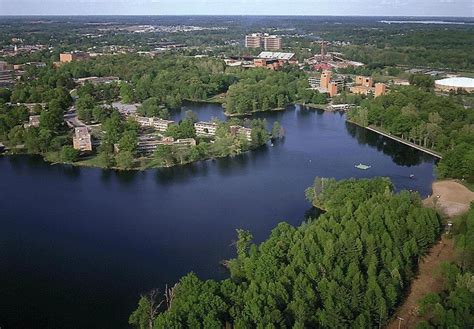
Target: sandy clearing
[(454, 199)]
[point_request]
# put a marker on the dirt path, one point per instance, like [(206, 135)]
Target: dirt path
[(451, 199)]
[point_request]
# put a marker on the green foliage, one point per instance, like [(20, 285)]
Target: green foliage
[(452, 308), (5, 95), (151, 108), (276, 130), (163, 155), (422, 81), (129, 141), (348, 268), (52, 118), (263, 90), (85, 105), (68, 154), (437, 122), (11, 116), (140, 318), (327, 193), (124, 159), (184, 129), (106, 155)]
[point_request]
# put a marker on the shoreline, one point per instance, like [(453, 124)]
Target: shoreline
[(398, 139), (232, 115), (85, 164)]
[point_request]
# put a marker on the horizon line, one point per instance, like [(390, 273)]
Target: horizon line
[(228, 15)]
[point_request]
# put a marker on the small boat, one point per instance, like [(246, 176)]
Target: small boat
[(412, 176), (362, 166)]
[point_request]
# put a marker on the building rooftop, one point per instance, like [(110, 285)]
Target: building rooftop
[(276, 55), (460, 82)]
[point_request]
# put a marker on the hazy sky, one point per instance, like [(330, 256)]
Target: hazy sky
[(463, 8)]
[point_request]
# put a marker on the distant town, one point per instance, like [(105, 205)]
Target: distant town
[(203, 129)]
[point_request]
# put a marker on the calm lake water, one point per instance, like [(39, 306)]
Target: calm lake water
[(79, 245)]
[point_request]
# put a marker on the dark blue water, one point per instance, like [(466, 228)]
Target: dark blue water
[(79, 245)]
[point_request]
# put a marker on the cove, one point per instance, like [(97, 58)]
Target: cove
[(78, 245)]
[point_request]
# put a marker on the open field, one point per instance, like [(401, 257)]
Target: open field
[(454, 198)]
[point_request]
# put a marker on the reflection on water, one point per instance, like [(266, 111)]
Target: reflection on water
[(402, 156), (89, 240)]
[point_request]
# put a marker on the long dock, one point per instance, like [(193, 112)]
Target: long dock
[(421, 148)]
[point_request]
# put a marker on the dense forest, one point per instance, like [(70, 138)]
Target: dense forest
[(453, 307), (263, 90), (441, 123), (347, 268)]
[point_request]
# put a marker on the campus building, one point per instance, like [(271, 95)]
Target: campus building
[(261, 40), (254, 40), (205, 129), (158, 124), (239, 130), (325, 79), (365, 85), (272, 43), (3, 66), (73, 56), (33, 121), (149, 143), (82, 139), (455, 84), (380, 89)]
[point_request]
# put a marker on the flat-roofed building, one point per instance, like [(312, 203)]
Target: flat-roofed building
[(33, 121), (314, 82), (325, 79), (3, 66), (380, 89), (162, 125), (157, 123), (185, 142), (455, 84), (82, 139), (283, 57), (361, 90), (97, 80), (272, 42), (205, 129), (73, 56), (364, 81), (148, 143), (273, 64), (254, 40), (239, 130), (333, 89), (339, 107)]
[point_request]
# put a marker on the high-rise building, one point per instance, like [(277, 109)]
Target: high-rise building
[(272, 42), (260, 40), (254, 40)]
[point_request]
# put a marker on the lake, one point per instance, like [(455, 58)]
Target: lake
[(79, 245)]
